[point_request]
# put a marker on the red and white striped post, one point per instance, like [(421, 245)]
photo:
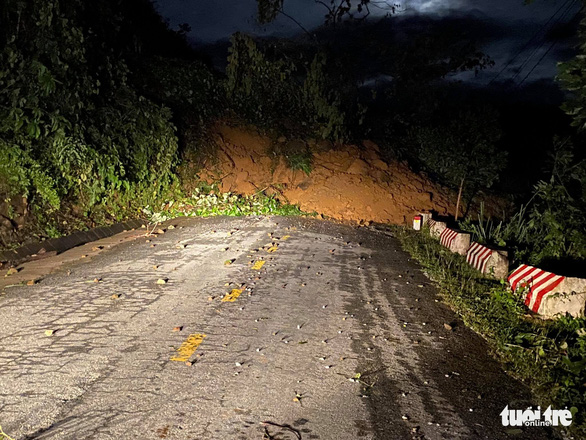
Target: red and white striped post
[(494, 262), (436, 228), (455, 241), (549, 294)]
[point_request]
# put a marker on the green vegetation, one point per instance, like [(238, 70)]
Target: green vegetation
[(300, 161), (207, 201), (462, 150), (549, 230), (98, 103), (549, 356), (298, 97), (73, 128)]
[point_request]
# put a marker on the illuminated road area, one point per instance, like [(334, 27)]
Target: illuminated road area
[(250, 328)]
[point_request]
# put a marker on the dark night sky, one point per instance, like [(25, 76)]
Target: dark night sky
[(508, 27)]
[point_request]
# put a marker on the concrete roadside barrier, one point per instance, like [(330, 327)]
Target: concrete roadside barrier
[(436, 228), (493, 262), (454, 240), (548, 294), (425, 217)]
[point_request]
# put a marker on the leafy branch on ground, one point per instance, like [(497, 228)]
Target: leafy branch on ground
[(207, 201)]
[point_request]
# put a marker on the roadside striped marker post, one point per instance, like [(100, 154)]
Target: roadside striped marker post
[(488, 261), (420, 220), (455, 241), (417, 220), (548, 294)]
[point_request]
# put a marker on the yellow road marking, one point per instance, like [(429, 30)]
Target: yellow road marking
[(272, 249), (258, 265), (188, 347), (231, 297), (285, 237)]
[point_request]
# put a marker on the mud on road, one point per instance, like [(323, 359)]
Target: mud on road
[(246, 328)]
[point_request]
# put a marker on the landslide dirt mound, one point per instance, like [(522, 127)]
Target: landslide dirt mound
[(348, 183)]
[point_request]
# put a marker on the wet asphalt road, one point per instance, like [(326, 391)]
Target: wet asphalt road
[(337, 336)]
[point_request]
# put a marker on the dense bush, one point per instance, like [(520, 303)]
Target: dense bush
[(72, 126), (548, 231), (281, 92)]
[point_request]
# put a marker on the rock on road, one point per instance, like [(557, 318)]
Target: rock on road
[(337, 335)]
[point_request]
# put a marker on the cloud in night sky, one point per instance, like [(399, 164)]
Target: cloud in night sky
[(510, 26)]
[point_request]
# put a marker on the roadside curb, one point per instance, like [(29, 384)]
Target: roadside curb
[(455, 240), (63, 244), (488, 260)]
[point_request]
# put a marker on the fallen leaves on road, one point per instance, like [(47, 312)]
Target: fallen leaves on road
[(31, 282), (49, 332), (229, 262), (11, 271), (116, 296), (162, 281), (448, 327), (178, 328), (95, 280)]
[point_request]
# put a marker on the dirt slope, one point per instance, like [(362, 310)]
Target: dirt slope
[(349, 183)]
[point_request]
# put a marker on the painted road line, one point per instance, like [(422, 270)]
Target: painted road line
[(272, 249), (258, 265), (231, 297), (188, 347)]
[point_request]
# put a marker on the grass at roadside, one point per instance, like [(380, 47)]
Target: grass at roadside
[(549, 356)]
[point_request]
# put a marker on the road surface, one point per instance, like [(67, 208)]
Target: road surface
[(245, 328)]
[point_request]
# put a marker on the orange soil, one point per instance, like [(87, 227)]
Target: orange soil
[(349, 183)]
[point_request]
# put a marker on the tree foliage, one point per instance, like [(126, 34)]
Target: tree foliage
[(282, 92), (335, 11), (557, 233), (462, 149), (572, 75), (72, 125)]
